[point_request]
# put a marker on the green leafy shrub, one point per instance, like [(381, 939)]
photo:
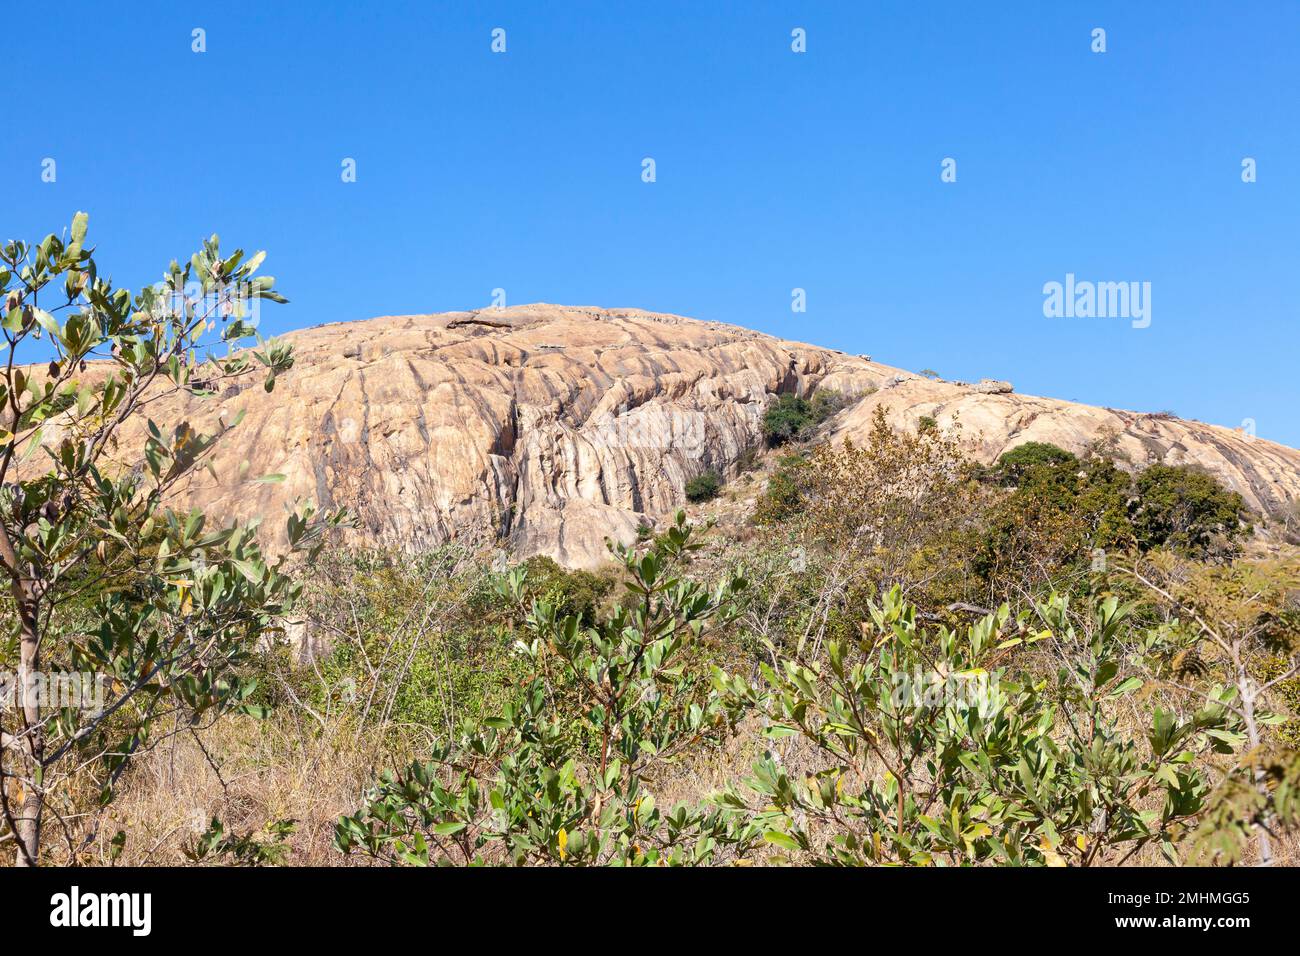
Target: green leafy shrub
[(572, 593), (1186, 510), (932, 753), (791, 418), (419, 641), (782, 498), (786, 419), (514, 789), (704, 487)]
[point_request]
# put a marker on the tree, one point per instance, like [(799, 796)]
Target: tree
[(105, 579), (1024, 460), (890, 510), (1055, 511), (1187, 510)]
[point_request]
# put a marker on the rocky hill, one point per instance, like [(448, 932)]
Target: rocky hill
[(547, 428)]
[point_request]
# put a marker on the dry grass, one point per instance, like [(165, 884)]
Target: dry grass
[(252, 774)]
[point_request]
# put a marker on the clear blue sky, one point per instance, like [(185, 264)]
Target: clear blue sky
[(775, 170)]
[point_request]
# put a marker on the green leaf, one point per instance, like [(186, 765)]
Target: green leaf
[(79, 222), (783, 840), (1125, 686)]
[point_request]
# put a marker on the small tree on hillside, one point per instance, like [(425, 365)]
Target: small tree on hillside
[(159, 607), (560, 775), (1025, 460), (704, 487), (792, 418), (1237, 624), (890, 509), (1187, 510)]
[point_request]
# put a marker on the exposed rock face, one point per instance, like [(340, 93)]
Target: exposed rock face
[(541, 427), (549, 428)]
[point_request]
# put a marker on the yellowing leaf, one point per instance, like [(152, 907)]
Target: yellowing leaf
[(1049, 854)]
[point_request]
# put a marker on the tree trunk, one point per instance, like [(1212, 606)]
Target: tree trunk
[(1246, 688), (31, 749)]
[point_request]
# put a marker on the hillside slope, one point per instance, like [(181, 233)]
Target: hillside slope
[(549, 428)]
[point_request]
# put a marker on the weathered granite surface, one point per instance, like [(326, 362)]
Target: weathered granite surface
[(548, 428)]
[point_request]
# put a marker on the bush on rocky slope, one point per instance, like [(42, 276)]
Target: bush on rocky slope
[(792, 418), (704, 487)]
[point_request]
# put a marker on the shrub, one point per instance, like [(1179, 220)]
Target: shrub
[(704, 487), (513, 788), (781, 499), (791, 418), (419, 640), (825, 403), (1187, 510), (890, 506), (576, 593), (786, 419), (933, 754), (1034, 456)]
